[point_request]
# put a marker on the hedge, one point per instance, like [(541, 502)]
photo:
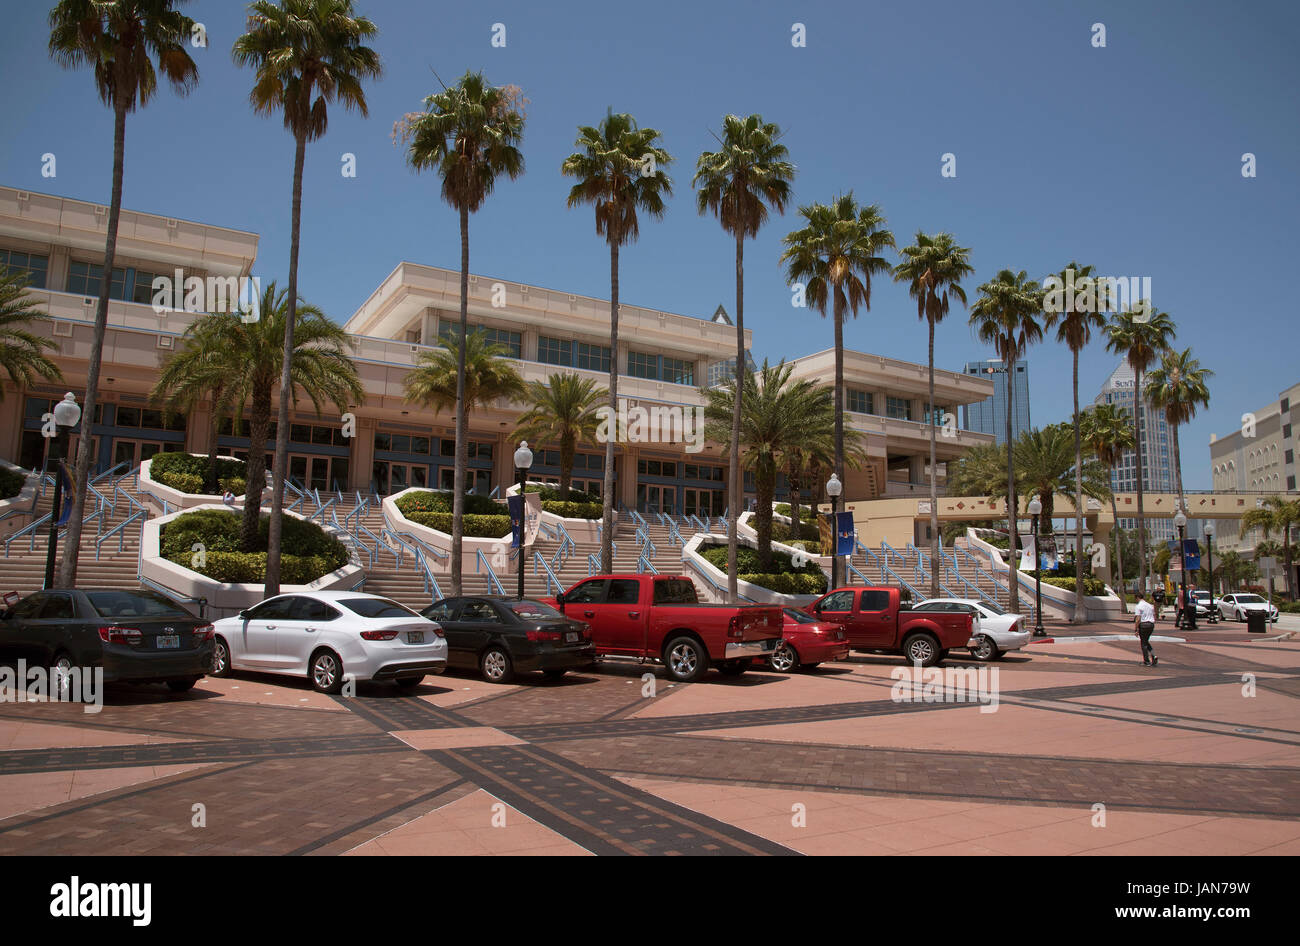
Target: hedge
[(552, 493), (1093, 587), (440, 501), (574, 510), (11, 482), (786, 579), (473, 526), (808, 532), (316, 553), (186, 463)]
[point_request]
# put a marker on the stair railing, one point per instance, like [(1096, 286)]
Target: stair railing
[(481, 564)]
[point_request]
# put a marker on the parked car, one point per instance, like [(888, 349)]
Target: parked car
[(807, 642), (660, 617), (329, 636), (502, 637), (135, 636), (880, 621), (996, 631), (1237, 605)]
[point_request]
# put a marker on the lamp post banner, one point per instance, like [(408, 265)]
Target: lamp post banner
[(66, 512), (1028, 553), (525, 518), (844, 533)]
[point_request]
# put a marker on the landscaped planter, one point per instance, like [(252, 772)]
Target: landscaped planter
[(581, 530), (495, 550), (21, 505), (711, 581), (224, 599), (1057, 602), (174, 497)]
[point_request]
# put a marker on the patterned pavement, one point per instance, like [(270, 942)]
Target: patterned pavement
[(1084, 751)]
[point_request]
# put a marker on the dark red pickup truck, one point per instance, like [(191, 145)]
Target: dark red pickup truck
[(660, 617), (877, 619)]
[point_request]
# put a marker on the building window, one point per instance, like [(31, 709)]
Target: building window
[(593, 357), (1289, 457), (513, 342), (859, 401), (938, 413), (656, 468), (413, 336), (898, 407), (677, 371), (34, 267), (554, 351), (83, 280), (641, 365), (143, 288)]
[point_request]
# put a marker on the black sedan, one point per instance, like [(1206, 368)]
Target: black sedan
[(135, 636), (503, 636)]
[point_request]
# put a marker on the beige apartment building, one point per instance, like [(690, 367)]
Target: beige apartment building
[(663, 360)]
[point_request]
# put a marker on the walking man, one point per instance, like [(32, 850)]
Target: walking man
[(1144, 622)]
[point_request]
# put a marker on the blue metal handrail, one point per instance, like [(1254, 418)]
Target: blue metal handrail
[(539, 561), (321, 511), (593, 564), (380, 544), (644, 565), (361, 506), (481, 563), (120, 529), (567, 545)]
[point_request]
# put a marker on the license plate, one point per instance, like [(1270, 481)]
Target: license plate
[(415, 637), (168, 640), (570, 637)]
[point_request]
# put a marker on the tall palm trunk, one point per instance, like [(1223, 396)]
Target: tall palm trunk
[(765, 493), (259, 424), (1079, 612), (1138, 400), (1013, 505), (934, 484), (839, 430), (737, 480), (1119, 555), (607, 533), (67, 576), (279, 470), (462, 447), (568, 445)]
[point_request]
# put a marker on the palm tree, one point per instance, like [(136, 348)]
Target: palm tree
[(120, 40), (1140, 334), (981, 471), (933, 267), (1107, 430), (1074, 327), (780, 414), (439, 381), (1233, 570), (738, 183), (1006, 316), (249, 356), (1178, 387), (22, 353), (1277, 516), (306, 55), (198, 373), (470, 135), (834, 257), (1045, 465), (619, 167), (563, 411)]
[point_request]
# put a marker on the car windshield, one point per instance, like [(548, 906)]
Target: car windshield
[(377, 608), (122, 604), (1249, 599), (533, 609), (799, 617)]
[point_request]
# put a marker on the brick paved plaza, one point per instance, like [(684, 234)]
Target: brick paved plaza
[(817, 763)]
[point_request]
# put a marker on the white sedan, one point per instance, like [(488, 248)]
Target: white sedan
[(1236, 606), (331, 637), (996, 631)]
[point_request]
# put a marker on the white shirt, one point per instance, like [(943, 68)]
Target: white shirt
[(1146, 614)]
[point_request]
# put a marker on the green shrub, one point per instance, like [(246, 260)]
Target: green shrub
[(236, 484), (782, 576), (316, 553), (185, 482), (1287, 607), (475, 526), (788, 583), (11, 482), (440, 501), (174, 462), (552, 494), (574, 509), (1091, 586), (807, 532)]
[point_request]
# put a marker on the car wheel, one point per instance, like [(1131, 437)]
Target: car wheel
[(409, 683), (922, 649), (785, 659), (182, 686), (61, 668), (734, 668), (326, 672), (220, 658), (554, 674), (686, 659), (983, 648), (496, 666)]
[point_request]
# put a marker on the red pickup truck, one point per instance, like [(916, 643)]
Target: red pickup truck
[(878, 620), (660, 617)]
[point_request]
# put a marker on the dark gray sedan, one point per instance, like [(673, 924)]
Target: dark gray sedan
[(503, 636), (135, 636)]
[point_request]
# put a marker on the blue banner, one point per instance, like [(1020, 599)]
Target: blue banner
[(516, 505), (66, 512), (1192, 554), (844, 533)]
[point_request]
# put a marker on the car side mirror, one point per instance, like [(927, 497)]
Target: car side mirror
[(243, 615), (559, 599)]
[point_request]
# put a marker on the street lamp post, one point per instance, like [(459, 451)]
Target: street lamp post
[(1035, 509), (523, 462), (1209, 553), (67, 414), (1189, 607), (833, 489)]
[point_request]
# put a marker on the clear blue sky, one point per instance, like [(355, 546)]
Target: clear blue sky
[(1126, 157)]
